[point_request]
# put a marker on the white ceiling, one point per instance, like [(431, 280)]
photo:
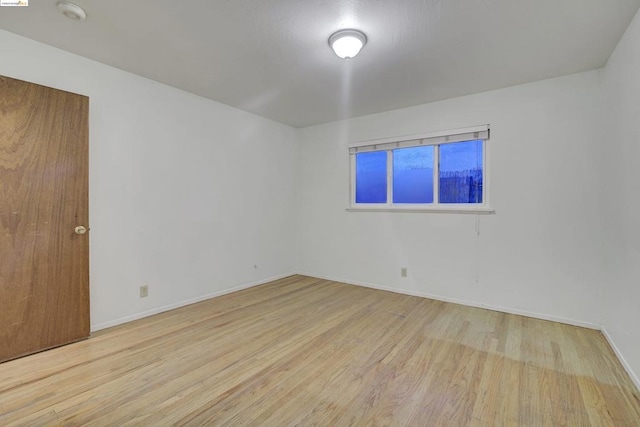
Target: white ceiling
[(271, 57)]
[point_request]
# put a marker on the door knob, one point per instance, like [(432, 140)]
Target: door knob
[(80, 229)]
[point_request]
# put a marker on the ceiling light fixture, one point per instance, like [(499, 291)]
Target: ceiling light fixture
[(71, 11), (347, 43)]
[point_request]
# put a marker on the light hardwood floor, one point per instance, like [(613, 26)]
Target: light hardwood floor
[(305, 351)]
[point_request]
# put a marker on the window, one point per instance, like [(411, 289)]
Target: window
[(371, 177), (413, 175), (437, 172)]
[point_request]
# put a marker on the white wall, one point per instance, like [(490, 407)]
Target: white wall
[(186, 194), (540, 253), (621, 152)]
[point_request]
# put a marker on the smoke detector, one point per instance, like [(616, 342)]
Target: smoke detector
[(71, 11)]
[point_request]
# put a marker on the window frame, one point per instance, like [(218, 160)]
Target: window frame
[(433, 139)]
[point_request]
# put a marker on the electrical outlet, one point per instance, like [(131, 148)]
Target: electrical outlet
[(403, 272), (144, 291)]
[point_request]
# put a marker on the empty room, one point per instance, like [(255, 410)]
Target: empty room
[(320, 212)]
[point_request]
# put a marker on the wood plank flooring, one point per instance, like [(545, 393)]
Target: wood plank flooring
[(305, 351)]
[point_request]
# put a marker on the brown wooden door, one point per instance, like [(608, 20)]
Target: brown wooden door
[(44, 264)]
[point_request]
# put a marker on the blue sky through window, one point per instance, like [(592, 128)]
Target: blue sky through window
[(460, 156), (461, 172), (459, 181), (371, 177), (413, 175)]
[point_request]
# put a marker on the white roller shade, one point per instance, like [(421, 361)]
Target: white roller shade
[(470, 134)]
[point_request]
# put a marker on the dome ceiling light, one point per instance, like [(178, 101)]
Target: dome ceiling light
[(347, 43)]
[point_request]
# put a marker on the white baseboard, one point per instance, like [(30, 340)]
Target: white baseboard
[(621, 358), (509, 310), (164, 308)]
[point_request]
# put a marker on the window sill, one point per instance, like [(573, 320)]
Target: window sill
[(452, 210)]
